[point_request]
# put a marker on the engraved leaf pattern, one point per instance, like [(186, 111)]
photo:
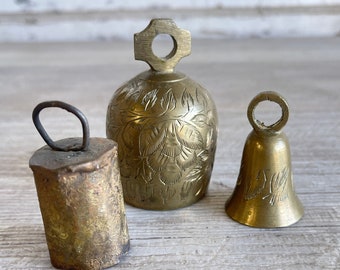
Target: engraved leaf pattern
[(193, 187), (168, 101), (146, 173), (121, 94), (211, 139), (171, 147), (189, 136), (157, 161), (134, 96), (256, 186), (186, 158), (201, 99), (149, 100), (128, 93), (200, 120), (204, 155), (170, 174), (150, 140), (278, 183), (194, 174), (187, 100)]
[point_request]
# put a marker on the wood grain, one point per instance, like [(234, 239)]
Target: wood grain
[(305, 71)]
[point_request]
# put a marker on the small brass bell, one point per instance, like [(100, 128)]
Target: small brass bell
[(80, 197), (264, 195), (165, 125)]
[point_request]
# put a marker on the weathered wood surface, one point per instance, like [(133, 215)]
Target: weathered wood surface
[(306, 72)]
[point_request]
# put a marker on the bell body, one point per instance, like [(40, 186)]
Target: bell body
[(81, 202), (264, 195), (165, 125)]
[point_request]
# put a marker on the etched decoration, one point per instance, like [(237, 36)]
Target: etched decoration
[(272, 186), (166, 138)]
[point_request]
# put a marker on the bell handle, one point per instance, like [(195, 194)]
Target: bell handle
[(274, 97), (144, 39), (69, 108)]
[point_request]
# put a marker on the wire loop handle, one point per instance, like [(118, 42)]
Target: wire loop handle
[(69, 108)]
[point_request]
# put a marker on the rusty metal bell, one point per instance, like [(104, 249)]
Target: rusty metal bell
[(264, 195), (166, 127), (80, 197)]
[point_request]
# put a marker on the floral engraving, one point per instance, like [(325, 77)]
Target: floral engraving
[(166, 138)]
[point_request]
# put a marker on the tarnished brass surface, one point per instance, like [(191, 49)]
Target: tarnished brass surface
[(264, 195), (80, 197), (82, 206), (165, 125)]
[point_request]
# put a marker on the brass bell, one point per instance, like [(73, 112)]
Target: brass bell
[(165, 125), (80, 197), (264, 195)]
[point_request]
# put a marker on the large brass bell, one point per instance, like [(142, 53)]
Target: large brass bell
[(166, 127), (264, 195)]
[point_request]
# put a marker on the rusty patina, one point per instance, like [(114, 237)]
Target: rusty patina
[(81, 202)]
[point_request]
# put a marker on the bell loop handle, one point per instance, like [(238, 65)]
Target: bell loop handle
[(143, 44), (69, 108), (260, 126)]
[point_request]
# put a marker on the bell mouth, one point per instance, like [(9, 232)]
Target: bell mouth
[(251, 214)]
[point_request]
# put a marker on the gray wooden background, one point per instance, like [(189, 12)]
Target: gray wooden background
[(88, 20)]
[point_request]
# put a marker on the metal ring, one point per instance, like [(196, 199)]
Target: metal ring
[(143, 44), (271, 96), (173, 51), (69, 108)]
